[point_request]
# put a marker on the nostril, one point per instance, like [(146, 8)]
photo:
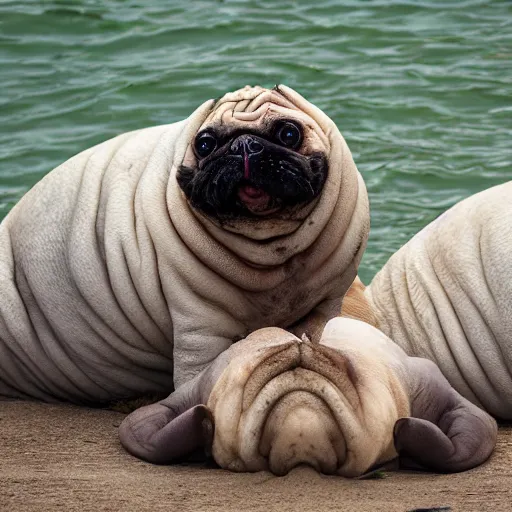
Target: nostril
[(236, 146), (246, 144), (253, 146)]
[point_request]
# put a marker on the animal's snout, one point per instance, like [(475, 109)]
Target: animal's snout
[(246, 144), (294, 406), (284, 402), (300, 429)]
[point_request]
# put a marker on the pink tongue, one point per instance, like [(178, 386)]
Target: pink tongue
[(254, 198), (252, 191)]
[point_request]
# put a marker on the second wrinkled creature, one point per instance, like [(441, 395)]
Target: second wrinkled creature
[(343, 406)]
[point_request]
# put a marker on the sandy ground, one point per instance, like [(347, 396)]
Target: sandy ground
[(69, 458)]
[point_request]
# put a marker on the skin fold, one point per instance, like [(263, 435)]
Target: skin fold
[(344, 405), (446, 296), (137, 266), (131, 267)]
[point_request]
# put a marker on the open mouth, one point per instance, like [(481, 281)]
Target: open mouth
[(256, 200)]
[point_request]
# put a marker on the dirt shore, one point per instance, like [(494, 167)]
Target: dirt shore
[(69, 458)]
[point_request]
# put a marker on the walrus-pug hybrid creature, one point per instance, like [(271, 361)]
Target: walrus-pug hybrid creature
[(446, 295), (344, 405), (133, 265)]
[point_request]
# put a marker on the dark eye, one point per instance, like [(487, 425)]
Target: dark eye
[(204, 144), (289, 135)]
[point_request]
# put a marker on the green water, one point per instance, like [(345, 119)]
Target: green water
[(422, 90)]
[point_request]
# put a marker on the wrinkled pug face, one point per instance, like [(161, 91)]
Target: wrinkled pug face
[(282, 402), (344, 405), (255, 155)]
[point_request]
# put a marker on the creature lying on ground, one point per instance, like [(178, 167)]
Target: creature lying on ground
[(344, 405), (129, 269), (446, 295)]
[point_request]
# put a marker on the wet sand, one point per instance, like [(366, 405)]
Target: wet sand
[(59, 457)]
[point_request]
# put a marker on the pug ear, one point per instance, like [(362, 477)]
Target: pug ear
[(448, 433), (168, 430)]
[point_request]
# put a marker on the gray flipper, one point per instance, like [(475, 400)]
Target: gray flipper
[(447, 433), (168, 430)]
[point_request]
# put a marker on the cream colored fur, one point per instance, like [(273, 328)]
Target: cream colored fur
[(446, 295), (344, 404), (281, 401), (112, 286)]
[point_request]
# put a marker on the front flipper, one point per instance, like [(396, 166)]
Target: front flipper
[(156, 434), (447, 433), (170, 429)]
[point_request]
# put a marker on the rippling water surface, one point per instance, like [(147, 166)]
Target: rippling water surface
[(421, 90)]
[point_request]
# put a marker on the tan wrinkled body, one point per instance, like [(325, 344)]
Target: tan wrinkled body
[(285, 402), (356, 305), (446, 295), (112, 286)]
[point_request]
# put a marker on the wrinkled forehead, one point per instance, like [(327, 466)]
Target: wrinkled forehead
[(262, 340), (256, 108)]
